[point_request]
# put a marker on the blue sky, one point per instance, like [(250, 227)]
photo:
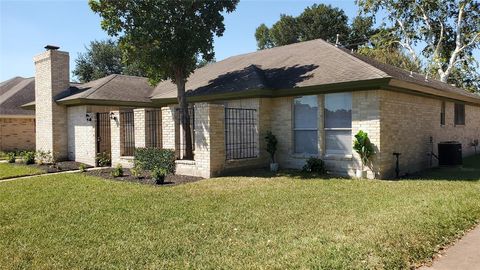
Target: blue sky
[(27, 26)]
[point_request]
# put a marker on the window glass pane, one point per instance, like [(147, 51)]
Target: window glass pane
[(306, 141), (338, 110), (442, 114), (338, 142), (459, 114), (305, 112)]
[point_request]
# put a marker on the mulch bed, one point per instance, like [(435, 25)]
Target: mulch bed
[(170, 180), (61, 166)]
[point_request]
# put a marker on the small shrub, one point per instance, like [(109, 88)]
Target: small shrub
[(137, 171), (11, 157), (314, 165), (82, 167), (151, 158), (271, 145), (28, 157), (363, 147), (118, 171), (43, 157), (158, 174), (103, 159)]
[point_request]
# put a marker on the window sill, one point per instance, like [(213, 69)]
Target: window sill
[(337, 157), (185, 162), (127, 157), (303, 156)]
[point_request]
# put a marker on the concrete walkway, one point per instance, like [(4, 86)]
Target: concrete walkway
[(463, 255), (43, 174)]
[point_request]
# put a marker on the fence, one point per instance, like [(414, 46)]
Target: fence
[(127, 134), (241, 134), (154, 129), (181, 143)]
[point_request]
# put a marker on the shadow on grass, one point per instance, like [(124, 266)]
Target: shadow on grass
[(288, 173), (470, 171)]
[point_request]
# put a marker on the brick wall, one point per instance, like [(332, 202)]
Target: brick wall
[(51, 78), (17, 134), (81, 135), (408, 122)]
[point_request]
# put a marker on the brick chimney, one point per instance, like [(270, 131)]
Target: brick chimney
[(52, 76)]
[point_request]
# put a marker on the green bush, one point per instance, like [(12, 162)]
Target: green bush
[(314, 165), (158, 174), (103, 159), (151, 158), (11, 157), (43, 157), (28, 157), (82, 167), (118, 171), (137, 171)]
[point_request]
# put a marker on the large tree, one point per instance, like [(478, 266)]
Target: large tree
[(318, 21), (166, 37), (101, 59), (441, 34)]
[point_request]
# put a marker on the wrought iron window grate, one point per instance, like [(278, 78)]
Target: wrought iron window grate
[(154, 129), (181, 142), (241, 133), (127, 133)]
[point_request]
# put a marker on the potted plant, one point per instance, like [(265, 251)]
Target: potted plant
[(475, 145), (271, 149), (364, 148), (158, 174)]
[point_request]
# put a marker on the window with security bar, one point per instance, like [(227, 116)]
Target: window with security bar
[(181, 142), (127, 133), (241, 133), (153, 121)]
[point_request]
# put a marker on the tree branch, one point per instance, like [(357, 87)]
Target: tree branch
[(458, 46)]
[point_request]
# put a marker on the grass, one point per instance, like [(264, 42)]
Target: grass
[(76, 221), (9, 170)]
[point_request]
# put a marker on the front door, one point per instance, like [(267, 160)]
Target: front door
[(103, 133)]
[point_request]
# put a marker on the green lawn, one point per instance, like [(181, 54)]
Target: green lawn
[(75, 221), (9, 170)]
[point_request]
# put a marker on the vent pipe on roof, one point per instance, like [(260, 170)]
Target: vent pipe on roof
[(337, 41), (51, 48)]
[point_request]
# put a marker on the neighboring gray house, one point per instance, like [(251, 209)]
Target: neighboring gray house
[(17, 126), (312, 95)]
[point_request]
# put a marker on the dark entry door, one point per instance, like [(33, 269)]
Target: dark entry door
[(103, 133)]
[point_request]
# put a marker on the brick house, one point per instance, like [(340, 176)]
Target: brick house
[(312, 95), (17, 126)]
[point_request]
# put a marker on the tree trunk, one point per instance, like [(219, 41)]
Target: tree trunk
[(184, 115)]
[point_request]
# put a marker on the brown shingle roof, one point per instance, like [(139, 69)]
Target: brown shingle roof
[(301, 64), (14, 93), (113, 88), (310, 63), (412, 77)]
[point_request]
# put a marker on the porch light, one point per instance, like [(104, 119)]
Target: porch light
[(88, 117), (112, 116)]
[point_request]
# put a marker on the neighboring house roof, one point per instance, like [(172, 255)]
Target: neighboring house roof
[(113, 88), (14, 93)]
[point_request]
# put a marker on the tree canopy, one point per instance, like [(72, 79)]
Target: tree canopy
[(318, 21), (101, 59), (439, 35), (167, 38)]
